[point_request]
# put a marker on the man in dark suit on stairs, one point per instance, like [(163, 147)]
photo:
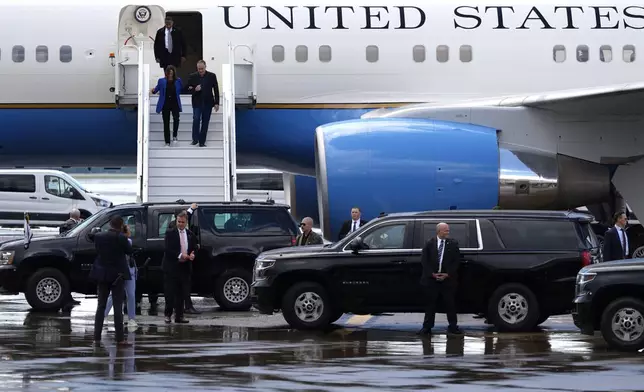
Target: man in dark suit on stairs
[(170, 45), (616, 245), (440, 259), (180, 247), (205, 96)]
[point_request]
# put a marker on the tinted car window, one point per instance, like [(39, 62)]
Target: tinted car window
[(17, 183), (588, 235), (164, 222), (257, 221), (386, 237), (260, 181), (457, 230), (129, 220), (537, 235)]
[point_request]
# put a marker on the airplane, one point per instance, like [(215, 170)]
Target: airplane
[(389, 106)]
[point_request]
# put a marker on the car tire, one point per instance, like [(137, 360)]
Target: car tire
[(307, 306), (47, 289), (513, 307), (232, 290), (629, 312)]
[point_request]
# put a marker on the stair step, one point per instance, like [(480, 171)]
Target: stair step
[(191, 152)]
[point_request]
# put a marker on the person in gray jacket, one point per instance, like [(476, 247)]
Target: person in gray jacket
[(308, 236)]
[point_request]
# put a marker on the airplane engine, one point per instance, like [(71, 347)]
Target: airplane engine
[(409, 164)]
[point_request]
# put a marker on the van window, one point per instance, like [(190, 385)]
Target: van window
[(57, 186), (257, 221), (537, 234), (23, 183)]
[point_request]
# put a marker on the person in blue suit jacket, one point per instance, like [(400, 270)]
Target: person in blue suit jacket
[(169, 89)]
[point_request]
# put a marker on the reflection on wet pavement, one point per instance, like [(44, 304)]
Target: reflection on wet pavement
[(53, 352)]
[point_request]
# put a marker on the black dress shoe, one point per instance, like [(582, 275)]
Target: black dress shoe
[(424, 331), (194, 143), (168, 320), (181, 321), (202, 145), (454, 331)]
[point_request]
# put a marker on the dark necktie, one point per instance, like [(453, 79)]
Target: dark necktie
[(354, 227), (440, 254), (623, 242)]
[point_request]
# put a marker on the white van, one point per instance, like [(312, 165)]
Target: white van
[(47, 195), (260, 185)]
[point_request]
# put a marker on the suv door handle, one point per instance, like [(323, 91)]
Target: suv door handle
[(398, 261), (33, 197), (45, 198)]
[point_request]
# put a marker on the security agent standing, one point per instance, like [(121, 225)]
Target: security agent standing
[(308, 236), (180, 246), (616, 246), (109, 271), (440, 259), (353, 224)]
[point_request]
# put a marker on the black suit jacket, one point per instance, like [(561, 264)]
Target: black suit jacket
[(112, 247), (430, 261), (179, 48), (171, 262), (612, 248), (209, 93), (346, 228)]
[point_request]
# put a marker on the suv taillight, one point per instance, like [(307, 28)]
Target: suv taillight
[(585, 258)]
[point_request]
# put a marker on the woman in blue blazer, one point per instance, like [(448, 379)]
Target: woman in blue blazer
[(169, 89)]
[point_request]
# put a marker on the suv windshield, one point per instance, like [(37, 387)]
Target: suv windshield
[(87, 222)]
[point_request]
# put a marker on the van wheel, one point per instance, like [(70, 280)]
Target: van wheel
[(46, 289), (232, 290), (514, 308), (622, 324), (307, 306)]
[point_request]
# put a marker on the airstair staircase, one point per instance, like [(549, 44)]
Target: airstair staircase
[(179, 171)]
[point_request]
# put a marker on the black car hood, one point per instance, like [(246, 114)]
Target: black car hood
[(619, 265), (293, 250), (48, 241)]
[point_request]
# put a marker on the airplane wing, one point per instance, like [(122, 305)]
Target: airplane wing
[(623, 99)]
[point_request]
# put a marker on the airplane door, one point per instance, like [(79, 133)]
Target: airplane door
[(191, 25)]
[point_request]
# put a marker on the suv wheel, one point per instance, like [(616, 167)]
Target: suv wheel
[(232, 290), (307, 306), (46, 289), (513, 308), (622, 324)]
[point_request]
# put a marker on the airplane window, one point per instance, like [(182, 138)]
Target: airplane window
[(606, 54), (559, 53), (301, 54), (466, 53), (582, 53), (278, 53), (65, 54), (419, 53), (325, 53), (42, 54), (372, 53), (442, 53), (18, 54), (629, 53)]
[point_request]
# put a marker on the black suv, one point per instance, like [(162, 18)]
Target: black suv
[(231, 236), (610, 298), (518, 268)]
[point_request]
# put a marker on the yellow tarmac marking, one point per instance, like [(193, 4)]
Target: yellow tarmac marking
[(359, 319)]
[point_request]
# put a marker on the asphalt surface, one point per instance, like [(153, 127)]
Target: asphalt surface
[(247, 351)]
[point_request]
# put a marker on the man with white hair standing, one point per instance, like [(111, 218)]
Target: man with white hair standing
[(440, 259), (74, 219)]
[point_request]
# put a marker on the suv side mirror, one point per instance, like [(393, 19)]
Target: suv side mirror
[(356, 245), (92, 233)]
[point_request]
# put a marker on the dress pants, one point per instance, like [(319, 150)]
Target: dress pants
[(200, 120), (446, 291), (175, 287), (165, 114), (118, 292), (130, 294)]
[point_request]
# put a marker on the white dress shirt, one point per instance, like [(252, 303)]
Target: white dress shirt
[(168, 39), (621, 233), (355, 225), (183, 240)]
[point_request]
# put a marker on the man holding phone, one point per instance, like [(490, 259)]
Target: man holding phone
[(440, 259)]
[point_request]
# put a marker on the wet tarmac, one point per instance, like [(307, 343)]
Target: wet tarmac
[(248, 351)]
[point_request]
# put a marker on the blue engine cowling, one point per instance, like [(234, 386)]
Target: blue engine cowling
[(406, 164)]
